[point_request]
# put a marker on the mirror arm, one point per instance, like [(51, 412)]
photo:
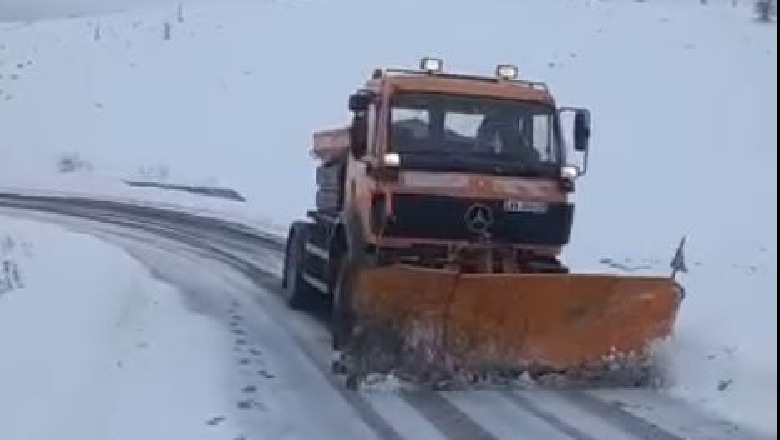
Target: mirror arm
[(584, 168)]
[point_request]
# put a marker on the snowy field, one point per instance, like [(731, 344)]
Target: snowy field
[(91, 346), (683, 98)]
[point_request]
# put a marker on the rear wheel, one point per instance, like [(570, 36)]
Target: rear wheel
[(297, 292)]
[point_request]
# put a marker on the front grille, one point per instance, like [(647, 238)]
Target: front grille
[(444, 218)]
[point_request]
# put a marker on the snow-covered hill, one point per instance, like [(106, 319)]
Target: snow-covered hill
[(683, 97)]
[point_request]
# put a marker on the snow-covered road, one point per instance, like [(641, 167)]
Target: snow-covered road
[(280, 385)]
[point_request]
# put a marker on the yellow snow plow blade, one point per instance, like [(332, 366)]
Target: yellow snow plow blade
[(553, 322)]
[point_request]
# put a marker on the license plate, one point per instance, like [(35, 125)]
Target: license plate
[(525, 206)]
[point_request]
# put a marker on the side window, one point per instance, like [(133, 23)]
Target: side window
[(543, 136), (416, 120), (410, 129)]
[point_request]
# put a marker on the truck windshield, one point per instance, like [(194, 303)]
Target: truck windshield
[(507, 131)]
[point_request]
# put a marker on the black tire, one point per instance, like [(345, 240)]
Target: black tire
[(342, 315), (297, 292)]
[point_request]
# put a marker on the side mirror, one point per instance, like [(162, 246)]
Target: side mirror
[(581, 129), (359, 102), (358, 135)]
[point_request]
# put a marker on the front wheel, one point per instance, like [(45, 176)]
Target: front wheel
[(342, 315), (297, 292)]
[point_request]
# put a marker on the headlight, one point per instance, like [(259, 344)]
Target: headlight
[(391, 159), (569, 172), (431, 65), (507, 71)]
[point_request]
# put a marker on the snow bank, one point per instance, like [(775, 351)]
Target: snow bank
[(725, 353), (92, 347), (106, 187)]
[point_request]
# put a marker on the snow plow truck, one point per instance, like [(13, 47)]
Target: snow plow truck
[(441, 214)]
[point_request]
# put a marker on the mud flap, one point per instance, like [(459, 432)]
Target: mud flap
[(427, 318)]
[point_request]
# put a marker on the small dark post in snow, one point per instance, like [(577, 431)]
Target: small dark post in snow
[(167, 31), (765, 10), (180, 13), (97, 32)]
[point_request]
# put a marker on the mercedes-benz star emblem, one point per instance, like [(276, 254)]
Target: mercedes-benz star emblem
[(479, 218)]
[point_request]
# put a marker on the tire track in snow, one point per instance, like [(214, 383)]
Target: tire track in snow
[(446, 417), (551, 419), (618, 417), (369, 415), (365, 411)]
